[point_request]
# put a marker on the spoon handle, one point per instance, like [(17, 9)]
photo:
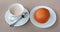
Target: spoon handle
[(12, 25)]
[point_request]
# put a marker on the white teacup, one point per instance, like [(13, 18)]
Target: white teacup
[(16, 11)]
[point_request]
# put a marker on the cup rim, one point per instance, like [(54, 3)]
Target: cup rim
[(17, 4)]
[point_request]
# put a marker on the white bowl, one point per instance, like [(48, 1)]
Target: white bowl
[(49, 23)]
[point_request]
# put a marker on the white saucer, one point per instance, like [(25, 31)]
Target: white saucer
[(49, 23), (20, 22)]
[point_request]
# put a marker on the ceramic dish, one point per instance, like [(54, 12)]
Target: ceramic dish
[(49, 23), (20, 22)]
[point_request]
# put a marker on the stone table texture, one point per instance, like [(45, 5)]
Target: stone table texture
[(29, 4)]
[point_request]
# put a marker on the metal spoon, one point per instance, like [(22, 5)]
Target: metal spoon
[(23, 16)]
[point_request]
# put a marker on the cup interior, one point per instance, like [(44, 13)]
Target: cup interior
[(16, 9)]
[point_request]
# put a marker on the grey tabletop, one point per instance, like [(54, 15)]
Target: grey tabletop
[(29, 4)]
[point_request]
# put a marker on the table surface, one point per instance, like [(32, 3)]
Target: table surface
[(29, 4)]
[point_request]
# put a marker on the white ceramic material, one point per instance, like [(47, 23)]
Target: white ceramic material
[(21, 21), (49, 23), (16, 5)]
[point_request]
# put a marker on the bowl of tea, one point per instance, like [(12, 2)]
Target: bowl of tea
[(42, 16)]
